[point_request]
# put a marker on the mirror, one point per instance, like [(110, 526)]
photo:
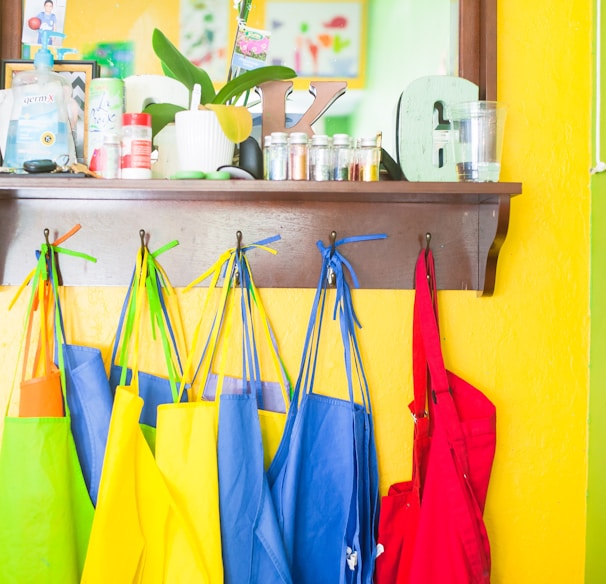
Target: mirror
[(403, 37)]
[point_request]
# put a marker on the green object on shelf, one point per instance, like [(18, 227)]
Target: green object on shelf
[(218, 175), (188, 174)]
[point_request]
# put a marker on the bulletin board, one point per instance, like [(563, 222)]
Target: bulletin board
[(319, 40)]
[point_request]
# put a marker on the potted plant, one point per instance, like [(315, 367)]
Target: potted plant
[(236, 121)]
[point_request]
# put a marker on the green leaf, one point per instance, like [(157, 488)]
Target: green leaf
[(238, 85), (179, 67), (167, 71), (162, 114)]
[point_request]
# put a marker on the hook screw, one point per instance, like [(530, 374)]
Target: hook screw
[(238, 252), (331, 277)]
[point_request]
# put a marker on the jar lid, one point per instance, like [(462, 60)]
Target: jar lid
[(278, 137), (136, 119), (319, 140), (299, 138), (368, 141), (341, 140)]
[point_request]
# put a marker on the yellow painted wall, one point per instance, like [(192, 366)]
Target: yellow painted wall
[(542, 327), (542, 310), (527, 347), (123, 21)]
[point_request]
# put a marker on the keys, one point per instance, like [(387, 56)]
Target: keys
[(61, 165), (79, 167)]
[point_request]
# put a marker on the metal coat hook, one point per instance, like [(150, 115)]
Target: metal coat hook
[(331, 277), (238, 252), (333, 240), (143, 246), (428, 275), (427, 242), (55, 257)]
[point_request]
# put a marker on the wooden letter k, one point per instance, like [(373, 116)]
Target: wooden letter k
[(274, 93)]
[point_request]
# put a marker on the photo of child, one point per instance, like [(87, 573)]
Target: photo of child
[(47, 18), (41, 15)]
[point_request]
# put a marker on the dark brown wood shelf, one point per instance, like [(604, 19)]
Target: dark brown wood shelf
[(468, 223)]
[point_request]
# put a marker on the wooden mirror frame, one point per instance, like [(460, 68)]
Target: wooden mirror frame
[(477, 40)]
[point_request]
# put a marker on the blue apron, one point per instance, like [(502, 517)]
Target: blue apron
[(324, 478), (89, 398), (252, 547)]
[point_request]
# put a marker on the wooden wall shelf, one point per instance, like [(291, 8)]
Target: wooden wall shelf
[(468, 223)]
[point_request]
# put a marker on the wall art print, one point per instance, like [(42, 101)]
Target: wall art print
[(322, 41)]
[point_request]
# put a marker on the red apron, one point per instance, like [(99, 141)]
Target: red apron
[(431, 527)]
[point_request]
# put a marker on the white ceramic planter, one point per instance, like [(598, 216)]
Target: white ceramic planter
[(201, 143)]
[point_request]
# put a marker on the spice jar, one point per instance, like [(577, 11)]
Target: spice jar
[(297, 156), (342, 157), (136, 146), (368, 158), (278, 156), (266, 156), (320, 167)]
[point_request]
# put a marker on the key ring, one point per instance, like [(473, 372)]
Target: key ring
[(62, 162)]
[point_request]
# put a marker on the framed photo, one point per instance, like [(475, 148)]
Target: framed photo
[(79, 74), (318, 39)]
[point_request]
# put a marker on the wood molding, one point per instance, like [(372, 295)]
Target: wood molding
[(467, 221), (10, 29), (488, 50), (470, 53), (478, 45)]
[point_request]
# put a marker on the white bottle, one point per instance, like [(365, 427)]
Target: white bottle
[(111, 155), (39, 127)]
